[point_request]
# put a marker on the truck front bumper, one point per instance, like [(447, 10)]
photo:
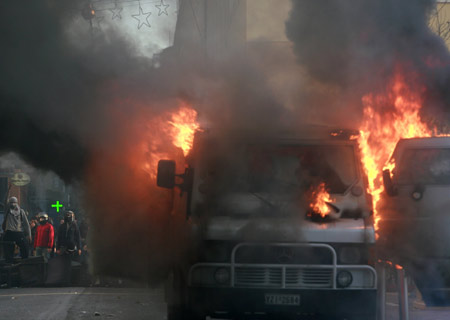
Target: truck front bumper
[(252, 302), (248, 286)]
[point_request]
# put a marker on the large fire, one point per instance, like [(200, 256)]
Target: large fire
[(185, 125), (320, 197), (178, 127), (388, 118), (121, 177)]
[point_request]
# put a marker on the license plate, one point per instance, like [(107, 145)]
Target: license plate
[(282, 299)]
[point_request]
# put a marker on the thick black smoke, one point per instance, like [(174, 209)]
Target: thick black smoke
[(48, 150), (357, 46), (343, 42), (55, 94), (77, 104), (57, 90), (42, 88)]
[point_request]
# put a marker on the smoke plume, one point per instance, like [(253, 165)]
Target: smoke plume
[(90, 108), (359, 49), (356, 47)]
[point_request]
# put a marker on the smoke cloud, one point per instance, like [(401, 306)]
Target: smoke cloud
[(90, 108), (356, 47)]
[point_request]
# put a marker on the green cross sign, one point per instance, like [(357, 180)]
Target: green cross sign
[(57, 206)]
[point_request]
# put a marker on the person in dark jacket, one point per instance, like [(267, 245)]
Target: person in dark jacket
[(33, 228), (69, 240), (17, 230)]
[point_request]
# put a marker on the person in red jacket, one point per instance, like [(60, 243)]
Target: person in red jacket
[(45, 235)]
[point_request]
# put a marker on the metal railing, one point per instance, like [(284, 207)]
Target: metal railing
[(280, 275), (402, 289)]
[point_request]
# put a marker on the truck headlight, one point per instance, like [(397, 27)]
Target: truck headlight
[(357, 191), (209, 275), (222, 275), (363, 278), (344, 279), (416, 195)]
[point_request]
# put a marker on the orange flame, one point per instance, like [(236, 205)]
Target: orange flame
[(320, 198), (163, 132), (185, 125), (391, 264), (152, 155), (387, 119)]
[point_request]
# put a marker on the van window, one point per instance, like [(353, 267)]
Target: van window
[(424, 166), (280, 169)]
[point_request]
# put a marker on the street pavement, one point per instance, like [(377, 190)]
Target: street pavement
[(417, 310), (82, 303), (130, 303)]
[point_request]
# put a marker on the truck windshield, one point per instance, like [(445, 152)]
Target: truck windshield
[(424, 166), (280, 169)]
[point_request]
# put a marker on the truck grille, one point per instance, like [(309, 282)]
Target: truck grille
[(257, 277), (309, 278), (283, 266)]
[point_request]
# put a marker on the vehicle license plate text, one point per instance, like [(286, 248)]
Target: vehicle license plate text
[(282, 299)]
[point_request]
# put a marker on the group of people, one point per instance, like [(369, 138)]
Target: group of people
[(45, 240)]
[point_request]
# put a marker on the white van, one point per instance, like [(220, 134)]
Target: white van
[(415, 223), (262, 251)]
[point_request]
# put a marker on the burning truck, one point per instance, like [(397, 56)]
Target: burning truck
[(284, 227), (414, 228)]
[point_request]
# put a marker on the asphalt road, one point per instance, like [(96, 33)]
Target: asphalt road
[(417, 309), (129, 303), (82, 303)]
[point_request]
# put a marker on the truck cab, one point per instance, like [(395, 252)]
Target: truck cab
[(416, 214), (284, 228)]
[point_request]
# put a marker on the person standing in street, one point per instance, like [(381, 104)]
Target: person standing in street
[(69, 239), (67, 244), (43, 241), (17, 231), (33, 226)]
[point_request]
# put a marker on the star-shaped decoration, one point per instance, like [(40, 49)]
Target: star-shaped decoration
[(142, 18), (116, 12), (164, 6)]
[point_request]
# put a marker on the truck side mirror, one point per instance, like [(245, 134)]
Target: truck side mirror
[(388, 185), (166, 174)]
